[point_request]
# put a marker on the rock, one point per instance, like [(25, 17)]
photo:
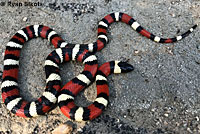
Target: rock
[(25, 19), (197, 118), (63, 129), (166, 115)]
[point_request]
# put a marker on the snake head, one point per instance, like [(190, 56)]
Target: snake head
[(125, 67)]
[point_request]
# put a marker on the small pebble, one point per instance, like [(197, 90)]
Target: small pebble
[(136, 51), (25, 19), (157, 123), (170, 50), (189, 130), (177, 124), (197, 118), (153, 110), (62, 129), (166, 115), (165, 123)]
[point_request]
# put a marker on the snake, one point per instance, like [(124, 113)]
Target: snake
[(10, 89)]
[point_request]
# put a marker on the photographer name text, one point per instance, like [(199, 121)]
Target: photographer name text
[(20, 4)]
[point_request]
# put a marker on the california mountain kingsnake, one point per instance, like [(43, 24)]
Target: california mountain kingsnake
[(65, 52)]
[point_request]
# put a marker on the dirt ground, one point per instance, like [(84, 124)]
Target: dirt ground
[(161, 96)]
